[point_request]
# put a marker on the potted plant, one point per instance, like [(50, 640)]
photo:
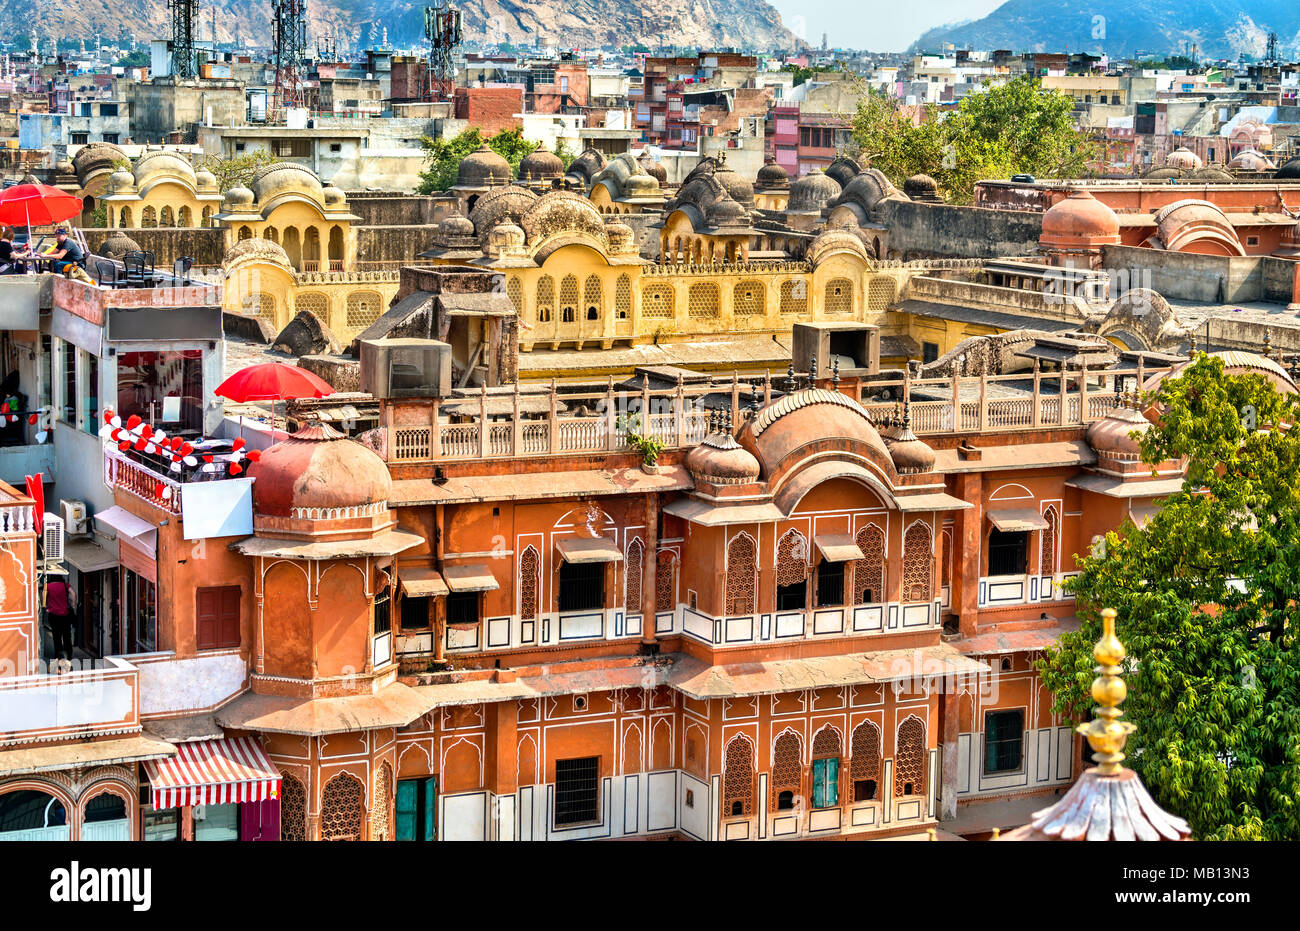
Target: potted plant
[(648, 446)]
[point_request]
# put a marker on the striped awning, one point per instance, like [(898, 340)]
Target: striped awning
[(213, 772)]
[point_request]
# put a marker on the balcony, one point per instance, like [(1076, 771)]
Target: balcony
[(102, 698), (209, 505)]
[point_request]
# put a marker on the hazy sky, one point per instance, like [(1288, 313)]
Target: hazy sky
[(876, 25)]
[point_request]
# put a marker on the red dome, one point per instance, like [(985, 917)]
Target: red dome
[(318, 467), (1079, 221)]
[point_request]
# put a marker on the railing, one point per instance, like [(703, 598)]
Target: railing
[(599, 421), (153, 487), (17, 518)]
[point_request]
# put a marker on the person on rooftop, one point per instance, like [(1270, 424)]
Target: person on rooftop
[(66, 252)]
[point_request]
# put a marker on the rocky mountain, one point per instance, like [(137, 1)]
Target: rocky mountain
[(1217, 28), (752, 24)]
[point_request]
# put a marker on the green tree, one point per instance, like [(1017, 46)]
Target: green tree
[(564, 153), (1006, 129), (238, 170), (135, 59), (1207, 595), (443, 156)]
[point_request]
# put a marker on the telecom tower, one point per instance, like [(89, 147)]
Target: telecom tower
[(290, 47), (442, 29), (184, 61)]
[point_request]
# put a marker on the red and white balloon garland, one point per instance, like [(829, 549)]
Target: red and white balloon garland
[(180, 453)]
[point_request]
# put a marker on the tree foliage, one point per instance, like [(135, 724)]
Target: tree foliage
[(1010, 128), (443, 156), (803, 74), (237, 170), (1206, 595)]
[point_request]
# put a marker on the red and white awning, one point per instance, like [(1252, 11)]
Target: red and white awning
[(213, 772)]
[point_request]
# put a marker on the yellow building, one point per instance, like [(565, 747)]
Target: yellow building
[(162, 189)]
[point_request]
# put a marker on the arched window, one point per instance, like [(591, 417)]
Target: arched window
[(104, 817), (124, 219), (380, 810), (918, 564), (593, 297), (311, 249), (749, 298), (787, 770), (826, 768), (738, 778), (945, 558), (742, 572), (792, 572), (293, 809), (342, 808), (515, 291), (207, 216), (623, 297), (363, 309), (315, 303), (869, 572), (839, 296), (336, 249), (245, 233), (31, 815), (657, 300), (794, 296), (545, 298), (529, 589), (271, 234), (568, 299), (909, 758), (665, 581), (702, 299), (165, 218), (865, 761), (1047, 543), (635, 568), (148, 218), (185, 217)]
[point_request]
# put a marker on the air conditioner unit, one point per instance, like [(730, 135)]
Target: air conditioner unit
[(75, 520), (52, 538), (406, 368)]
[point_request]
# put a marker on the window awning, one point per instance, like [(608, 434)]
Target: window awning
[(423, 583), (88, 556), (213, 772), (140, 532), (837, 547), (475, 578), (588, 549), (1010, 520)]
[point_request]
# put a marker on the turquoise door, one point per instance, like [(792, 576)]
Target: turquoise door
[(415, 808), (826, 783)]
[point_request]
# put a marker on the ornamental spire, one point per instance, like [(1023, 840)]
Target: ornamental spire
[(1106, 734)]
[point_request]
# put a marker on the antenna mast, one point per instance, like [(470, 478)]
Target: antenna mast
[(442, 29), (290, 45), (184, 61)]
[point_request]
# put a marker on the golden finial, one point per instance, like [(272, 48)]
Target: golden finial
[(1105, 732), (997, 832), (934, 835)]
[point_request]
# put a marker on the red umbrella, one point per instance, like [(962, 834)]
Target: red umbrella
[(25, 204), (272, 381)]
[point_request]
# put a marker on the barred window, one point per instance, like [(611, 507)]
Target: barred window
[(363, 309), (342, 808), (945, 557), (738, 777), (293, 809), (787, 770), (881, 292), (665, 577), (635, 567), (749, 298), (515, 291), (869, 572), (545, 298), (593, 297), (314, 303), (657, 300), (258, 304), (623, 297), (742, 571), (909, 758), (380, 817), (839, 296), (568, 299), (529, 577), (577, 791), (864, 767), (792, 572), (1047, 544), (918, 564), (703, 299), (794, 296)]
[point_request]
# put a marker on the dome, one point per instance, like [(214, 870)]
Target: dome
[(620, 236), (286, 178), (843, 170), (720, 460), (557, 212), (334, 197), (1161, 174), (164, 163), (782, 430), (1185, 223), (120, 180), (541, 165), (588, 162), (1251, 160), (205, 180), (456, 225), (95, 157), (506, 237), (641, 186), (117, 244), (500, 205), (65, 167), (1213, 175), (1110, 435), (772, 175), (318, 467), (258, 249), (1183, 158), (910, 454), (812, 192), (1290, 171), (726, 212), (921, 187), (655, 170), (867, 189), (1079, 220), (738, 189), (238, 197), (483, 168)]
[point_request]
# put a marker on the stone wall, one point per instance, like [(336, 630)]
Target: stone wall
[(921, 230), (1215, 279), (392, 244), (206, 245), (379, 208)]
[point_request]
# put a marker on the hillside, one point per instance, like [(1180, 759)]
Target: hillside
[(750, 24), (1218, 28)]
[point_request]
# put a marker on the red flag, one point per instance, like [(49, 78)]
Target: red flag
[(36, 491)]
